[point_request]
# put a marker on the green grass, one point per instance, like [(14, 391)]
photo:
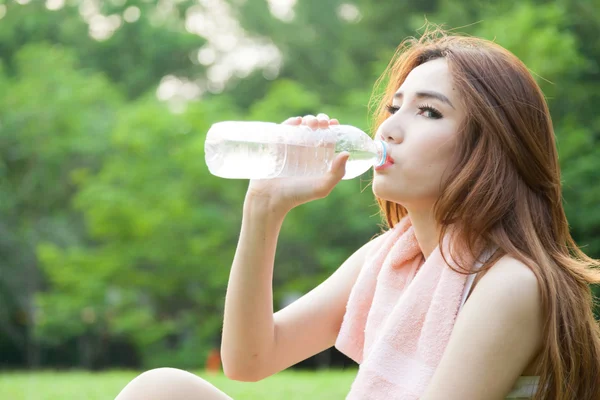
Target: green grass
[(289, 385)]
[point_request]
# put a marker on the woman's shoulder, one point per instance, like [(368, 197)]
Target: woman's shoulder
[(515, 279), (507, 272), (510, 269)]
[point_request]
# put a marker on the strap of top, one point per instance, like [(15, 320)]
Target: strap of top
[(471, 277)]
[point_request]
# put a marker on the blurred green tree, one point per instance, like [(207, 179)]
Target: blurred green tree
[(111, 225)]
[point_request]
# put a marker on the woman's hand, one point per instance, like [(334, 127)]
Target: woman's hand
[(283, 194)]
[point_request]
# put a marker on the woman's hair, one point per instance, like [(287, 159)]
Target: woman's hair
[(504, 190)]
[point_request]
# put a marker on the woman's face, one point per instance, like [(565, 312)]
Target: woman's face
[(421, 131)]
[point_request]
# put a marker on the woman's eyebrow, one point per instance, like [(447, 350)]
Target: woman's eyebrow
[(427, 94)]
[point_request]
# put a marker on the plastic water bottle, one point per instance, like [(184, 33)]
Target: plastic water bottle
[(266, 150)]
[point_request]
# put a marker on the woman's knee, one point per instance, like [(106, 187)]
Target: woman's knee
[(172, 384)]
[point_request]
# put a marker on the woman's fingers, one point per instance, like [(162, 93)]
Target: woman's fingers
[(293, 121), (321, 121), (310, 121)]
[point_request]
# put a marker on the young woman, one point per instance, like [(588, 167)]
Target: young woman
[(472, 190)]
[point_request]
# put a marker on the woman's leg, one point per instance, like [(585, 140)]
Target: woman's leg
[(170, 384)]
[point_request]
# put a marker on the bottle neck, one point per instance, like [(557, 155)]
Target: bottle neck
[(382, 152)]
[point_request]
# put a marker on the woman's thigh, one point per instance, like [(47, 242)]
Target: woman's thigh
[(170, 384)]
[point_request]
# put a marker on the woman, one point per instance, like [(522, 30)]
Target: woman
[(473, 180)]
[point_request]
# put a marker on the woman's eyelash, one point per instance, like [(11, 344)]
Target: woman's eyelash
[(391, 109), (434, 113)]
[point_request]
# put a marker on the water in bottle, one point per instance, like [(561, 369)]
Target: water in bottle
[(265, 150)]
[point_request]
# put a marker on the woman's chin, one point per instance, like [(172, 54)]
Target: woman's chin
[(394, 191), (383, 190)]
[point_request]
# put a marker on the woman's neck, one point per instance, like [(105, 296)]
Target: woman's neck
[(426, 230)]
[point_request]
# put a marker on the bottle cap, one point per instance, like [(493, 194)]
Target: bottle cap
[(384, 152)]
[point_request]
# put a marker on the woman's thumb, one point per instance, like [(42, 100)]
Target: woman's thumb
[(338, 166), (335, 174)]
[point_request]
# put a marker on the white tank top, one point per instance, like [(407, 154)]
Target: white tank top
[(471, 277)]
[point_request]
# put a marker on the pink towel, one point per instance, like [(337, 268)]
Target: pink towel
[(397, 327)]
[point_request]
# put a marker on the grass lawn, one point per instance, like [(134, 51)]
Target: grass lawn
[(288, 385)]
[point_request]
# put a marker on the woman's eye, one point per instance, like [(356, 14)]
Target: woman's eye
[(392, 109), (425, 110), (429, 112)]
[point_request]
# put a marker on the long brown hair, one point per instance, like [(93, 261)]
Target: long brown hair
[(505, 189)]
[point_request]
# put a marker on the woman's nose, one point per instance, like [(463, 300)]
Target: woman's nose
[(391, 132)]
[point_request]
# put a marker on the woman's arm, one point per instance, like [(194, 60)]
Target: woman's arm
[(257, 343), (496, 335)]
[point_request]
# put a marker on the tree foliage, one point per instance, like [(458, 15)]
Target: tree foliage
[(112, 228)]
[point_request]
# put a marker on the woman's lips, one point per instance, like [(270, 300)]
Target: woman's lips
[(389, 161)]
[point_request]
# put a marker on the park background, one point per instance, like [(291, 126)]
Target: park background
[(115, 240)]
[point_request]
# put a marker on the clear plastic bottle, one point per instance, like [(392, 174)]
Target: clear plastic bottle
[(265, 150)]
